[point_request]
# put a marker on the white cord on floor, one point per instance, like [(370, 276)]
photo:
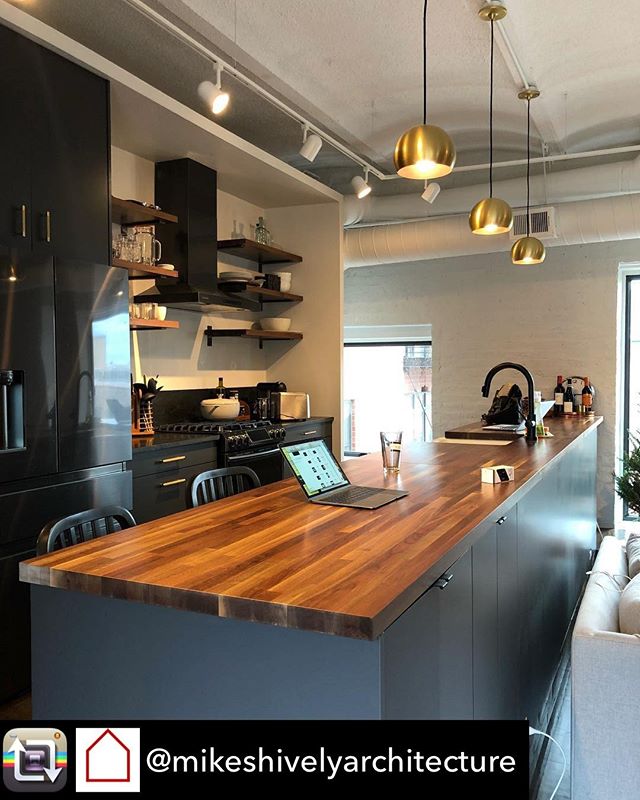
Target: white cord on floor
[(533, 732)]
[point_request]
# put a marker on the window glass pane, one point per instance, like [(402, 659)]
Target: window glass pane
[(633, 377), (386, 387)]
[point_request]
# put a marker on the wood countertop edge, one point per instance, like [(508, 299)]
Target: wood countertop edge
[(223, 606)]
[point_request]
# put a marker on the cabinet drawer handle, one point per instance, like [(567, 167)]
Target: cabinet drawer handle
[(310, 433), (174, 483), (46, 233), (23, 220), (173, 458), (444, 581), (501, 521)]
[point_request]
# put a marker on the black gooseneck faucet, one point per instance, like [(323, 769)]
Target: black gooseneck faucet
[(530, 424)]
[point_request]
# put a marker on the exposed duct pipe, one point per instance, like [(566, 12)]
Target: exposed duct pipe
[(602, 180), (603, 220)]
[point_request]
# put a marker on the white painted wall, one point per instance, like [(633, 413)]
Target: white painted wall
[(313, 365), (559, 317)]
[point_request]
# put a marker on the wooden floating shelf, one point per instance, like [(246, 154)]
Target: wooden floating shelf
[(124, 212), (265, 295), (257, 252), (136, 324), (250, 333), (143, 271)]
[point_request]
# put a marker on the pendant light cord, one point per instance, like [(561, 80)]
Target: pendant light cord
[(528, 158), (424, 63), (491, 117)]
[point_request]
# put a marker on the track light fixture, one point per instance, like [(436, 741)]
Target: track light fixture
[(491, 215), (311, 144), (361, 185), (213, 95), (528, 250), (424, 151), (431, 191)]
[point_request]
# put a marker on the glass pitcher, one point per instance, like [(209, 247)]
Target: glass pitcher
[(150, 247)]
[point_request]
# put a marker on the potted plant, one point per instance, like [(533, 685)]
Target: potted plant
[(628, 482)]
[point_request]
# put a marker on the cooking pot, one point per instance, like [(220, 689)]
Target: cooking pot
[(220, 408)]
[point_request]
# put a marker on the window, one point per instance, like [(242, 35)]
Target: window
[(387, 386), (631, 409)]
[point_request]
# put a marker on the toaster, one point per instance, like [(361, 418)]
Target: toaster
[(289, 405)]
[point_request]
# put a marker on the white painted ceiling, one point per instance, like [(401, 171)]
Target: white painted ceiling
[(354, 66)]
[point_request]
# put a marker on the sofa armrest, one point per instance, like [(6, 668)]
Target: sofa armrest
[(605, 676)]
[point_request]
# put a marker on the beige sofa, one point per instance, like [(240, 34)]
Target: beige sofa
[(605, 681)]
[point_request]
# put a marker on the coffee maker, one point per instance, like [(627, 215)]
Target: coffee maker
[(264, 406)]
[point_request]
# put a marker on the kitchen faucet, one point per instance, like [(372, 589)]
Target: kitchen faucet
[(530, 423)]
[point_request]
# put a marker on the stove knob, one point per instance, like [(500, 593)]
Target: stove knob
[(281, 433), (233, 442)]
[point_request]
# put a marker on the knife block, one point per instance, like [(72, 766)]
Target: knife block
[(141, 416)]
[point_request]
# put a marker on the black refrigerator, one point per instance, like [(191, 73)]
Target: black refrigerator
[(64, 326)]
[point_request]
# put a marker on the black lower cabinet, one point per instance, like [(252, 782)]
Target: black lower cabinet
[(162, 477), (427, 654), (509, 621), (487, 685), (15, 628)]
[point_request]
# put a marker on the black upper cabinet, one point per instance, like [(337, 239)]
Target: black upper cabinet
[(15, 146), (55, 138)]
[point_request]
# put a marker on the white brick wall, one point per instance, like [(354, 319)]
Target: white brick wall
[(559, 317)]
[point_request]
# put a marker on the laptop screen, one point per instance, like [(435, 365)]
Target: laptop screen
[(314, 466)]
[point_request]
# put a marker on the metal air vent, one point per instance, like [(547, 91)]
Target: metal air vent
[(542, 223)]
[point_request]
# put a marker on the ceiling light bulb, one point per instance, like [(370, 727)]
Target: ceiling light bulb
[(311, 145), (360, 186), (431, 191)]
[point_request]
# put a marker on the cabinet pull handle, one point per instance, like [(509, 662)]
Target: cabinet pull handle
[(172, 458), (23, 220), (444, 581), (310, 433), (47, 226), (174, 483), (501, 521)]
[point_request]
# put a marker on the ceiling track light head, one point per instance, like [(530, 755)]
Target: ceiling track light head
[(360, 185), (492, 11), (311, 144), (529, 93), (213, 94)]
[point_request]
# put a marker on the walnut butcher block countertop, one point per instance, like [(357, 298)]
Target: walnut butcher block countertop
[(270, 556)]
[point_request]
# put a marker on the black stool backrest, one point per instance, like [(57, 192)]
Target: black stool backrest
[(214, 484), (83, 527)]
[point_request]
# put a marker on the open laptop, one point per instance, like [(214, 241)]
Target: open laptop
[(323, 480)]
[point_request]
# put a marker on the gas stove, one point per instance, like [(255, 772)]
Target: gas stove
[(236, 436)]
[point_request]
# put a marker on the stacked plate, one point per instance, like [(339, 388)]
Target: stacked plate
[(242, 278)]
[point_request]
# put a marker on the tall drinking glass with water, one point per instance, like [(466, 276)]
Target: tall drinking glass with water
[(391, 442)]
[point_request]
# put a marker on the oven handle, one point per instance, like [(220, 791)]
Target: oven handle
[(236, 459)]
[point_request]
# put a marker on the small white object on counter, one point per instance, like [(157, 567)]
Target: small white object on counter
[(499, 474), (285, 281)]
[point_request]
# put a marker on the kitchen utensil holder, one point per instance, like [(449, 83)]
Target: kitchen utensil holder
[(142, 422)]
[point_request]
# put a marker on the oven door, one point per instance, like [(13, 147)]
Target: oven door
[(267, 464)]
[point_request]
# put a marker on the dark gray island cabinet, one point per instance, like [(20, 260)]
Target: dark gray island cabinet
[(452, 603)]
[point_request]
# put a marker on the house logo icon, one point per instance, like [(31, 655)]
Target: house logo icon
[(108, 759)]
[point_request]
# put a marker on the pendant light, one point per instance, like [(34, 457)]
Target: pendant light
[(424, 151), (491, 215), (528, 250)]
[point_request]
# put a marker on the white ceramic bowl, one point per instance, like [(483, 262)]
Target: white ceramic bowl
[(285, 281), (275, 324), (219, 408)]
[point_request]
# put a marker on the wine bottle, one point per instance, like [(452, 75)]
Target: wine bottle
[(558, 398), (568, 398), (220, 391), (587, 397)]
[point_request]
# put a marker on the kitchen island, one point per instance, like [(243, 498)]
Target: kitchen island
[(453, 602)]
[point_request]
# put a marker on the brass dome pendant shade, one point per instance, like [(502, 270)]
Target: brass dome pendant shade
[(424, 151), (491, 216), (528, 250)]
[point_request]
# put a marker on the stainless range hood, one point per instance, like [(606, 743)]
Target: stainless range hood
[(188, 189)]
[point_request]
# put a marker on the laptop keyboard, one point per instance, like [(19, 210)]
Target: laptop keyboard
[(354, 493)]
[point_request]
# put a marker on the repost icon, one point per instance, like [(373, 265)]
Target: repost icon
[(34, 760)]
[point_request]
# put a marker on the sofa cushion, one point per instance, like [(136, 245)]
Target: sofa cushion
[(629, 609), (633, 554), (599, 606)]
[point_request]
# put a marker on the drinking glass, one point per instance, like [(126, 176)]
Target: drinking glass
[(391, 442)]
